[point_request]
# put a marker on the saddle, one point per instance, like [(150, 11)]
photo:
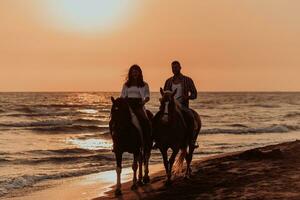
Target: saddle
[(191, 113)]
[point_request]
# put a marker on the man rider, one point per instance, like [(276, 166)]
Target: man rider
[(186, 91)]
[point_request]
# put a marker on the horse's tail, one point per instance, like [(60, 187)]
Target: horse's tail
[(178, 166)]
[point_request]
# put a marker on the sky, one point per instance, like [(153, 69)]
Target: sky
[(89, 45)]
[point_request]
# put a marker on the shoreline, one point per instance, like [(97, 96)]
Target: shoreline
[(225, 176), (76, 188), (270, 172)]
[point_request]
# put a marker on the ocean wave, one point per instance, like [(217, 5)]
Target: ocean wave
[(43, 114), (59, 156), (265, 105), (58, 105), (25, 110), (292, 114), (67, 151), (58, 122), (88, 121), (238, 125), (103, 135), (70, 159), (47, 112), (28, 114), (3, 153), (206, 116), (270, 129), (87, 106), (38, 123), (2, 160), (60, 125), (56, 110), (20, 182), (70, 129)]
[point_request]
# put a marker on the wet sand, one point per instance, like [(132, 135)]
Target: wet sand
[(269, 173), (78, 188)]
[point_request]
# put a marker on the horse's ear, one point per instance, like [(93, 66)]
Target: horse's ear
[(112, 99), (162, 92), (174, 92)]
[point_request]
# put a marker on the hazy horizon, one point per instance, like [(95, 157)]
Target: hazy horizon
[(154, 91)]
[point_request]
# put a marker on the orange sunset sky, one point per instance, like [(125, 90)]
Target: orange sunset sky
[(88, 45)]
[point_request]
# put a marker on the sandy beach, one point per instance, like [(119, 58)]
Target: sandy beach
[(271, 172), (79, 188)]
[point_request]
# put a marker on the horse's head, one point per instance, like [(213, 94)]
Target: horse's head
[(167, 104), (120, 110)]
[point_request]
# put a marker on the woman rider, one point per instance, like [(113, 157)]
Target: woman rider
[(136, 91)]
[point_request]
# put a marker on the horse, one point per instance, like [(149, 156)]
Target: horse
[(127, 137), (171, 131)]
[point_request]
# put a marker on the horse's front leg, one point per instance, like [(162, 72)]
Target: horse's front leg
[(140, 179), (188, 158), (146, 178), (171, 162), (189, 155), (166, 162), (118, 170), (134, 168), (165, 159)]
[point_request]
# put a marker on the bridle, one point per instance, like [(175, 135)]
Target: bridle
[(165, 112)]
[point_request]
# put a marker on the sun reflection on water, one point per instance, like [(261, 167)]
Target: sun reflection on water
[(88, 111), (91, 144)]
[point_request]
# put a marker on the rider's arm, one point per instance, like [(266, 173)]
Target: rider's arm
[(192, 89), (124, 92), (147, 93), (168, 85)]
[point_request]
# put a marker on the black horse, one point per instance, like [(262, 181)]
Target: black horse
[(171, 130), (127, 137)]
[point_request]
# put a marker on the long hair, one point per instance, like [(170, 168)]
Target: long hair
[(129, 80)]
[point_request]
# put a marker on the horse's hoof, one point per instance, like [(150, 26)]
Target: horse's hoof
[(146, 179), (118, 192), (134, 187), (168, 183), (140, 183)]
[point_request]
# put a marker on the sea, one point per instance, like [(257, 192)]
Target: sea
[(53, 136)]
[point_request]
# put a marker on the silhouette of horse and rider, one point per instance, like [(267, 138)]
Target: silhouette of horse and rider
[(134, 129)]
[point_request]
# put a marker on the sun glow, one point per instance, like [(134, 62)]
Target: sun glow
[(88, 15), (91, 144)]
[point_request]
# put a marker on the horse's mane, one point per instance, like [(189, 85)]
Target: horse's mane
[(122, 102)]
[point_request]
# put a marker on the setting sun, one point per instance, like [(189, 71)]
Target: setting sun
[(87, 16)]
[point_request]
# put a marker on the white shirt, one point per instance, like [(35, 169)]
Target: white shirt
[(135, 92), (178, 95)]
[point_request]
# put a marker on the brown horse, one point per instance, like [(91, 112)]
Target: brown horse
[(172, 130), (127, 138)]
